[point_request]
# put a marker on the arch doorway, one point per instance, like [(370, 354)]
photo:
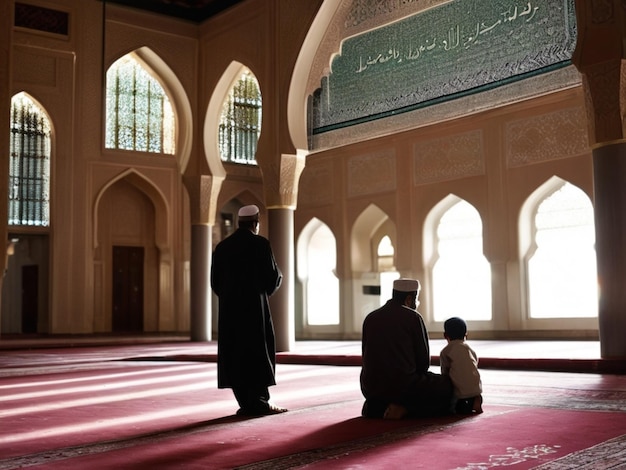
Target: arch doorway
[(128, 260)]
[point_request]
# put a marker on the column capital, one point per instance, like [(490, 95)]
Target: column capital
[(280, 181), (203, 191), (598, 56)]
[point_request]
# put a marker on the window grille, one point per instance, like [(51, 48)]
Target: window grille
[(29, 165), (139, 115), (240, 123)]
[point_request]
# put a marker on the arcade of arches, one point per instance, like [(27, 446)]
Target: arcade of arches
[(505, 203)]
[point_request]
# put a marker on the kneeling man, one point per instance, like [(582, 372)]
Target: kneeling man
[(395, 379)]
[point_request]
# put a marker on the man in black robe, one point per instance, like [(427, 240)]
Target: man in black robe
[(243, 275), (395, 379)]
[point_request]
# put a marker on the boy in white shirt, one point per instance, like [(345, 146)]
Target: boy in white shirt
[(459, 361)]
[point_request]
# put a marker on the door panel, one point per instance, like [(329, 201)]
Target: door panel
[(127, 315), (30, 298)]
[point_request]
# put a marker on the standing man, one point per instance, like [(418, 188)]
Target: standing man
[(243, 275), (395, 380)]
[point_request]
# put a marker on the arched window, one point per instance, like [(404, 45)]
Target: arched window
[(385, 254), (317, 264), (386, 268), (29, 165), (240, 123), (139, 115), (562, 275), (323, 285), (461, 274)]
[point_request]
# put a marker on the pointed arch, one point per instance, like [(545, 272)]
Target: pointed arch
[(144, 225), (30, 157), (460, 275), (143, 184), (214, 113), (240, 120), (156, 68), (557, 244), (372, 286), (297, 98), (316, 253), (365, 237), (229, 205)]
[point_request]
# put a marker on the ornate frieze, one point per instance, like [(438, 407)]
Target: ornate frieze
[(439, 54), (372, 173), (448, 158), (362, 11), (560, 134), (316, 184)]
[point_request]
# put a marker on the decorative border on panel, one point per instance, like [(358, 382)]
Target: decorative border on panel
[(365, 11), (552, 136), (449, 158), (372, 173), (316, 185), (440, 54)]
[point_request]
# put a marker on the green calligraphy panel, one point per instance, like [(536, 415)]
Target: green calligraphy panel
[(461, 47)]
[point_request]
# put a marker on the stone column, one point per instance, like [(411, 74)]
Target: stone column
[(609, 166), (200, 288), (599, 57), (280, 225), (280, 183), (203, 194)]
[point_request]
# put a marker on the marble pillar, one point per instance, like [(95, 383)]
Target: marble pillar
[(281, 233), (200, 289)]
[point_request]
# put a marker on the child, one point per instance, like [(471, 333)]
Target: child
[(460, 363)]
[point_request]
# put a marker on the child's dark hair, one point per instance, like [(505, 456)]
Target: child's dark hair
[(455, 328)]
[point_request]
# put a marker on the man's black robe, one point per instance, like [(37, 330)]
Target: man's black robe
[(396, 358), (243, 275)]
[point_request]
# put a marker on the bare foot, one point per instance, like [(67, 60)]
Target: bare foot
[(394, 411), (275, 409)]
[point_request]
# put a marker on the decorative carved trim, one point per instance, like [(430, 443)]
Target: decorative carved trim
[(372, 173), (316, 186), (363, 11), (449, 158), (560, 134), (203, 196), (603, 84), (281, 181)]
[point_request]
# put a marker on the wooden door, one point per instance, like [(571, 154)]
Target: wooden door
[(127, 289), (30, 298)]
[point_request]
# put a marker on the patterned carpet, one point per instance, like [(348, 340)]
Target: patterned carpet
[(97, 408), (610, 454)]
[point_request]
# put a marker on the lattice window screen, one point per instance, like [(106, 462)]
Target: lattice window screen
[(139, 115), (29, 164), (240, 123)]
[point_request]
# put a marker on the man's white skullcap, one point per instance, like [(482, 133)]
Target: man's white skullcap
[(406, 285), (250, 212)]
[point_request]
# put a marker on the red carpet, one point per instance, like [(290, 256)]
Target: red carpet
[(87, 409)]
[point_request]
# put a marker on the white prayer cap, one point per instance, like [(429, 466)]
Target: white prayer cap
[(406, 285), (249, 213)]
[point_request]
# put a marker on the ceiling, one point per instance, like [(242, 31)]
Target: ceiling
[(191, 10)]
